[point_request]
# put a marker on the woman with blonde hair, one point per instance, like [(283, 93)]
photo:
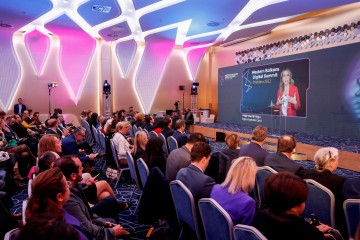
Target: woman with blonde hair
[(121, 143), (140, 141), (232, 194), (49, 142)]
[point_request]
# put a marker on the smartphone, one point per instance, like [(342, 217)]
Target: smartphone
[(96, 176)]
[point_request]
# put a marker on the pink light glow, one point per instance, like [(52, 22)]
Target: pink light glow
[(194, 58), (37, 45), (76, 51)]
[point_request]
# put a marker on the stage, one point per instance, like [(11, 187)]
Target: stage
[(349, 157)]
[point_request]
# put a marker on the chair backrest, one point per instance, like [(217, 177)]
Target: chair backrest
[(147, 132), (261, 175), (152, 134), (24, 205), (242, 232), (134, 129), (218, 167), (12, 234), (131, 164), (321, 202), (352, 215), (114, 153), (102, 141), (212, 214), (172, 142), (164, 146), (96, 134), (184, 206), (143, 171)]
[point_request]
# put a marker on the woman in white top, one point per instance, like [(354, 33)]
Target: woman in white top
[(122, 144)]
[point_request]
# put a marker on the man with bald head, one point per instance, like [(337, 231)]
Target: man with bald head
[(280, 161)]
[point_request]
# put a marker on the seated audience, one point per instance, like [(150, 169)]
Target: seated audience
[(286, 194), (180, 158), (179, 133), (122, 144), (50, 191), (139, 119), (50, 142), (78, 206), (167, 131), (280, 161), (44, 226), (149, 123), (232, 143), (254, 148), (47, 160), (326, 162), (193, 177), (71, 146), (232, 194), (140, 141), (154, 156)]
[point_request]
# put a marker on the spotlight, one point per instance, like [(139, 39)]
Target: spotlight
[(52, 85), (194, 88)]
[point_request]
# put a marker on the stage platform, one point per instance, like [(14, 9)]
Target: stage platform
[(306, 144)]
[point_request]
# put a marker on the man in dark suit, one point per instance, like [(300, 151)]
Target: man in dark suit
[(19, 108), (199, 184), (254, 148), (167, 131), (280, 161), (179, 134), (189, 118)]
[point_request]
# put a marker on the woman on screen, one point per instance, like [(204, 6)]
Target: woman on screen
[(288, 95)]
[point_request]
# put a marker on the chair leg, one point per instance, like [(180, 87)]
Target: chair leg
[(117, 181)]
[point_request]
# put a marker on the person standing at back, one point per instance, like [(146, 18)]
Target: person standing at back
[(19, 108)]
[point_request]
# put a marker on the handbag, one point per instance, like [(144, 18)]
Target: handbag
[(112, 174), (4, 156)]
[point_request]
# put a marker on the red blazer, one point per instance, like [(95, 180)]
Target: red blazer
[(292, 108)]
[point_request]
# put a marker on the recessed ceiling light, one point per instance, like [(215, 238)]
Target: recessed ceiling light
[(213, 24), (112, 35)]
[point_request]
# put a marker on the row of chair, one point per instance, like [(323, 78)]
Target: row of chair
[(216, 221)]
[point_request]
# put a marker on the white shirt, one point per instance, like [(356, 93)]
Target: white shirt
[(121, 145)]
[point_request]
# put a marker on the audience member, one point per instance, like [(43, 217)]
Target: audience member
[(180, 158), (193, 177), (232, 143), (19, 108), (286, 194), (154, 156), (254, 148), (232, 194), (140, 141), (179, 134), (50, 142), (50, 191), (122, 144), (44, 226), (78, 206), (139, 120), (280, 161), (47, 160), (71, 143), (167, 131), (189, 118), (149, 123)]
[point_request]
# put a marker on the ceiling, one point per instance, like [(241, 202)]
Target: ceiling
[(196, 23)]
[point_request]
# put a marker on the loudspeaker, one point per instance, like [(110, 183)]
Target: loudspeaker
[(220, 136), (181, 87)]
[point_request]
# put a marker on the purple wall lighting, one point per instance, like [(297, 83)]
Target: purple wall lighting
[(194, 58), (125, 52), (37, 45)]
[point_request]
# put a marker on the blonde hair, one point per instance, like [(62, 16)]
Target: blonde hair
[(138, 142), (281, 85), (47, 143), (241, 175), (232, 140), (324, 156), (121, 125)]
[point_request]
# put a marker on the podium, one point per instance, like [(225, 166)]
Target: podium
[(278, 121), (204, 113)]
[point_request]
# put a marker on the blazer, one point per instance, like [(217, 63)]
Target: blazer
[(255, 151), (167, 132), (199, 184), (16, 108), (282, 163), (181, 138), (70, 147), (292, 108)]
